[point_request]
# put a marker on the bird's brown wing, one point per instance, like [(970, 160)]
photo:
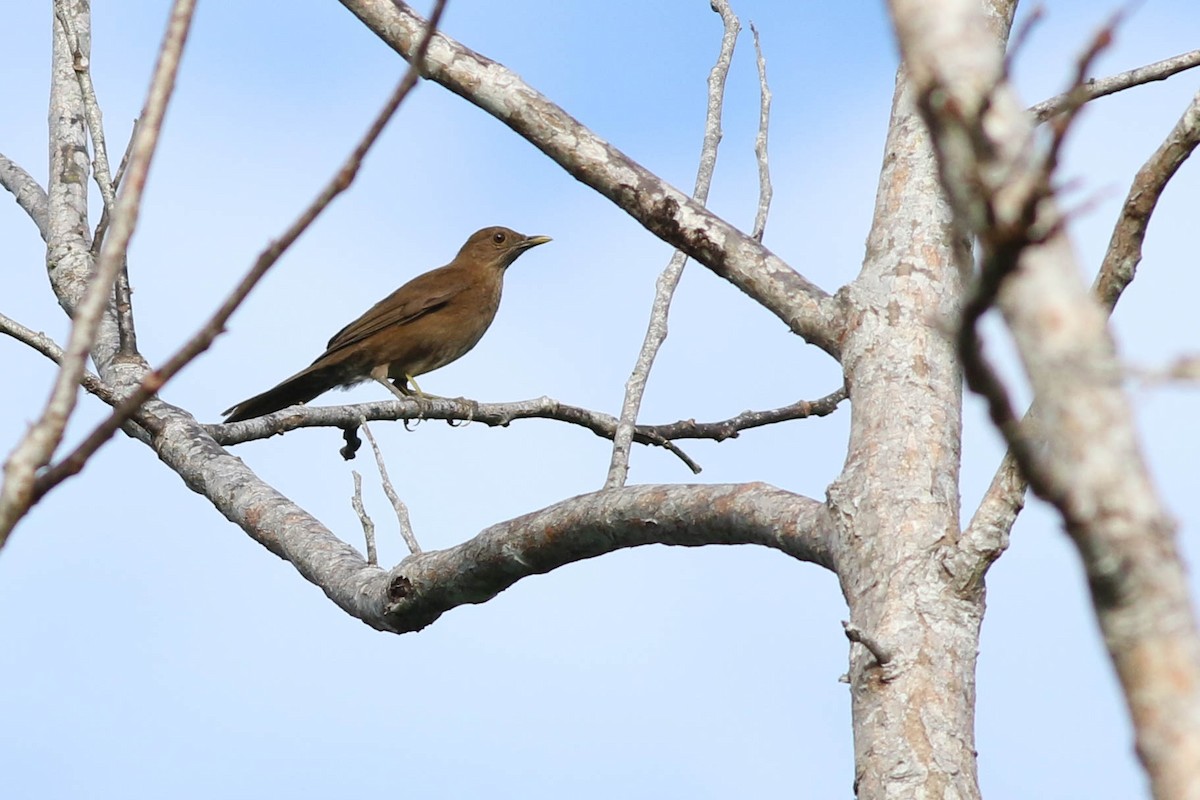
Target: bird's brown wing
[(413, 300)]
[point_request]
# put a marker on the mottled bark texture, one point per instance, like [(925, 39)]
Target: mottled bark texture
[(1085, 458), (896, 502)]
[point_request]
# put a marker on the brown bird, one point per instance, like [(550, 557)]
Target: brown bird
[(428, 322)]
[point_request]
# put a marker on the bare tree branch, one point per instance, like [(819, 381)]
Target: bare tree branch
[(35, 451), (402, 518), (122, 293), (100, 170), (50, 349), (356, 502), (986, 536), (898, 490), (102, 225), (200, 342), (29, 195), (1088, 446), (422, 587), (37, 447), (730, 428), (662, 209), (1101, 87), (664, 290), (997, 512), (80, 52), (502, 414), (760, 141), (1125, 247)]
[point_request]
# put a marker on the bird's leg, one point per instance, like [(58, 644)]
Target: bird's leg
[(422, 398), (416, 387), (401, 391)]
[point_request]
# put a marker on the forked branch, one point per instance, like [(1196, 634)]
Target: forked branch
[(664, 289)]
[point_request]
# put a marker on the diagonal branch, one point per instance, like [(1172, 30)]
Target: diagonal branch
[(29, 195), (1101, 87), (662, 209), (1125, 247), (200, 342), (664, 290), (50, 349), (402, 516), (988, 531), (37, 447)]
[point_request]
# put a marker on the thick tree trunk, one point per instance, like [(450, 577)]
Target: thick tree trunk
[(897, 501)]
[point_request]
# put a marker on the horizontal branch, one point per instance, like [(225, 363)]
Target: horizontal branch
[(423, 587), (502, 414), (661, 208)]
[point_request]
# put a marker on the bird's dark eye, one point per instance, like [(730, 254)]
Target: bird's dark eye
[(498, 237)]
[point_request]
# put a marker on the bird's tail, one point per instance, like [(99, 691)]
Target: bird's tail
[(300, 388)]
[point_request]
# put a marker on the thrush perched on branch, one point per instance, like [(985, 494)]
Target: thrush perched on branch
[(428, 322)]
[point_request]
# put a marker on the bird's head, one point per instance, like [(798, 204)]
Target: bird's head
[(497, 246)]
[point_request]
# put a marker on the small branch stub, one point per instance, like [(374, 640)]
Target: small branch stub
[(856, 634)]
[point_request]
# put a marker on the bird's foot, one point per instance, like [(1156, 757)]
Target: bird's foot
[(471, 405), (403, 393)]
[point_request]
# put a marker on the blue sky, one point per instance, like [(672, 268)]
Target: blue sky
[(152, 650)]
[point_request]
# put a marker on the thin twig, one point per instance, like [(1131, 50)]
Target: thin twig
[(1100, 87), (102, 225), (50, 349), (122, 293), (23, 486), (356, 501), (747, 420), (656, 331), (1076, 95), (765, 192), (402, 517), (155, 379), (1181, 369), (123, 305)]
